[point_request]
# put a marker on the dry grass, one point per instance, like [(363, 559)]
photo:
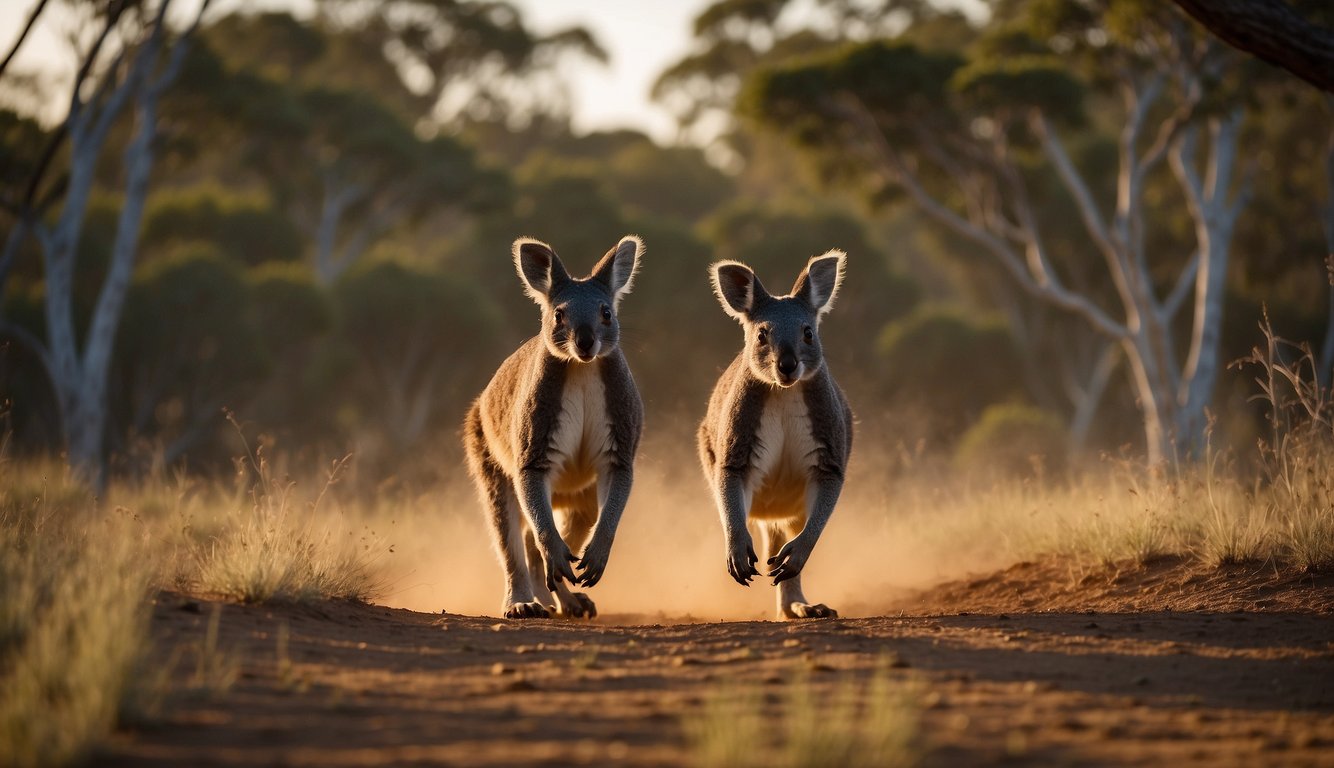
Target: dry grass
[(73, 620), (850, 724), (76, 575), (278, 546)]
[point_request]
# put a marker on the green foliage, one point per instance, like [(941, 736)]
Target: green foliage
[(193, 311), (188, 343), (407, 328), (801, 98), (571, 205), (243, 228), (381, 300), (20, 135), (859, 725), (949, 365), (1014, 440), (290, 307), (1016, 84), (668, 181)]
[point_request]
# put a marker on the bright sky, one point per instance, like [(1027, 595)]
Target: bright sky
[(642, 36)]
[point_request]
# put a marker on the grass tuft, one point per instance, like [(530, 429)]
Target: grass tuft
[(271, 550), (73, 634), (850, 725)]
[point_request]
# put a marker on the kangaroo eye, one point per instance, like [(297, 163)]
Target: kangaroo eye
[(559, 315), (764, 336), (809, 334), (606, 313)]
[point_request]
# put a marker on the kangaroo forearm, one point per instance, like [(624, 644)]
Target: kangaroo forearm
[(732, 504), (820, 505), (535, 500), (617, 496)]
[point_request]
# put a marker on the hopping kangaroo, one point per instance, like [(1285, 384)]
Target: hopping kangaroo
[(552, 439), (776, 440)]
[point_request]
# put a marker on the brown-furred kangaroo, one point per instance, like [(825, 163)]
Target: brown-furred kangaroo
[(551, 441), (777, 437)]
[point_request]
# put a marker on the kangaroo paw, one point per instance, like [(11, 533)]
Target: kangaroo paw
[(533, 610), (808, 611), (576, 605)]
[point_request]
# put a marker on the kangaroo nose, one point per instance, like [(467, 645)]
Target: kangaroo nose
[(787, 364), (584, 340)]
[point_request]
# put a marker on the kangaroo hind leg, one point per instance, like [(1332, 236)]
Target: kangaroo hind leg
[(576, 516), (505, 521), (792, 602)]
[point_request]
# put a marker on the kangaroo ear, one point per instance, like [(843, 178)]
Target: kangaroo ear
[(617, 269), (818, 283), (539, 268), (737, 287)]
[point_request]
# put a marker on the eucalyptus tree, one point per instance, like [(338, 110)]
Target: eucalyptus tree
[(128, 60), (469, 60), (965, 140)]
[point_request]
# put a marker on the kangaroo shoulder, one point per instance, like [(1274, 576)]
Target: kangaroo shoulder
[(829, 413)]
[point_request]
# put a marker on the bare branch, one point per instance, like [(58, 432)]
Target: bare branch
[(23, 35), (1088, 209), (1042, 282), (178, 53), (1181, 289), (1182, 160)]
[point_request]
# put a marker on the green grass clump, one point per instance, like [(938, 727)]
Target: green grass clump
[(851, 725)]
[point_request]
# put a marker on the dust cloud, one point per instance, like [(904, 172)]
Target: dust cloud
[(667, 564)]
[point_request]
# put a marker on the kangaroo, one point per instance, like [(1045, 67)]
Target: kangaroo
[(778, 433), (552, 439)]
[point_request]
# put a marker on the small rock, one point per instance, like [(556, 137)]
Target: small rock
[(499, 668)]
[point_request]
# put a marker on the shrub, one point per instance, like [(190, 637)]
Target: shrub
[(1014, 440)]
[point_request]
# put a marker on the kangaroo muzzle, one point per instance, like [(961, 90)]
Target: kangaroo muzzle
[(789, 368), (585, 344)]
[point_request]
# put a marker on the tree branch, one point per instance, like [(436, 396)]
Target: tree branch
[(1181, 289), (1271, 30), (23, 35), (1042, 282), (1088, 209)]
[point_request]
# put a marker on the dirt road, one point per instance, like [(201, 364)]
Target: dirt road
[(366, 685)]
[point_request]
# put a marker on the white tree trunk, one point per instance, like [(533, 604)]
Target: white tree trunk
[(1215, 208), (1173, 398), (79, 379)]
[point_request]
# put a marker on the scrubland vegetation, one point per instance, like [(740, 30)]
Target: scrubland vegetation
[(860, 724), (79, 571), (1052, 259)]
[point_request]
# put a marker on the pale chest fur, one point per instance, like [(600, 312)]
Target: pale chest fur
[(582, 440), (784, 453)]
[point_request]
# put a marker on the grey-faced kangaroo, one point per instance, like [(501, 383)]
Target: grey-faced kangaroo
[(777, 437), (552, 439)]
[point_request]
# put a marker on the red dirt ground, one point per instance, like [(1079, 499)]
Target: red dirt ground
[(1170, 662)]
